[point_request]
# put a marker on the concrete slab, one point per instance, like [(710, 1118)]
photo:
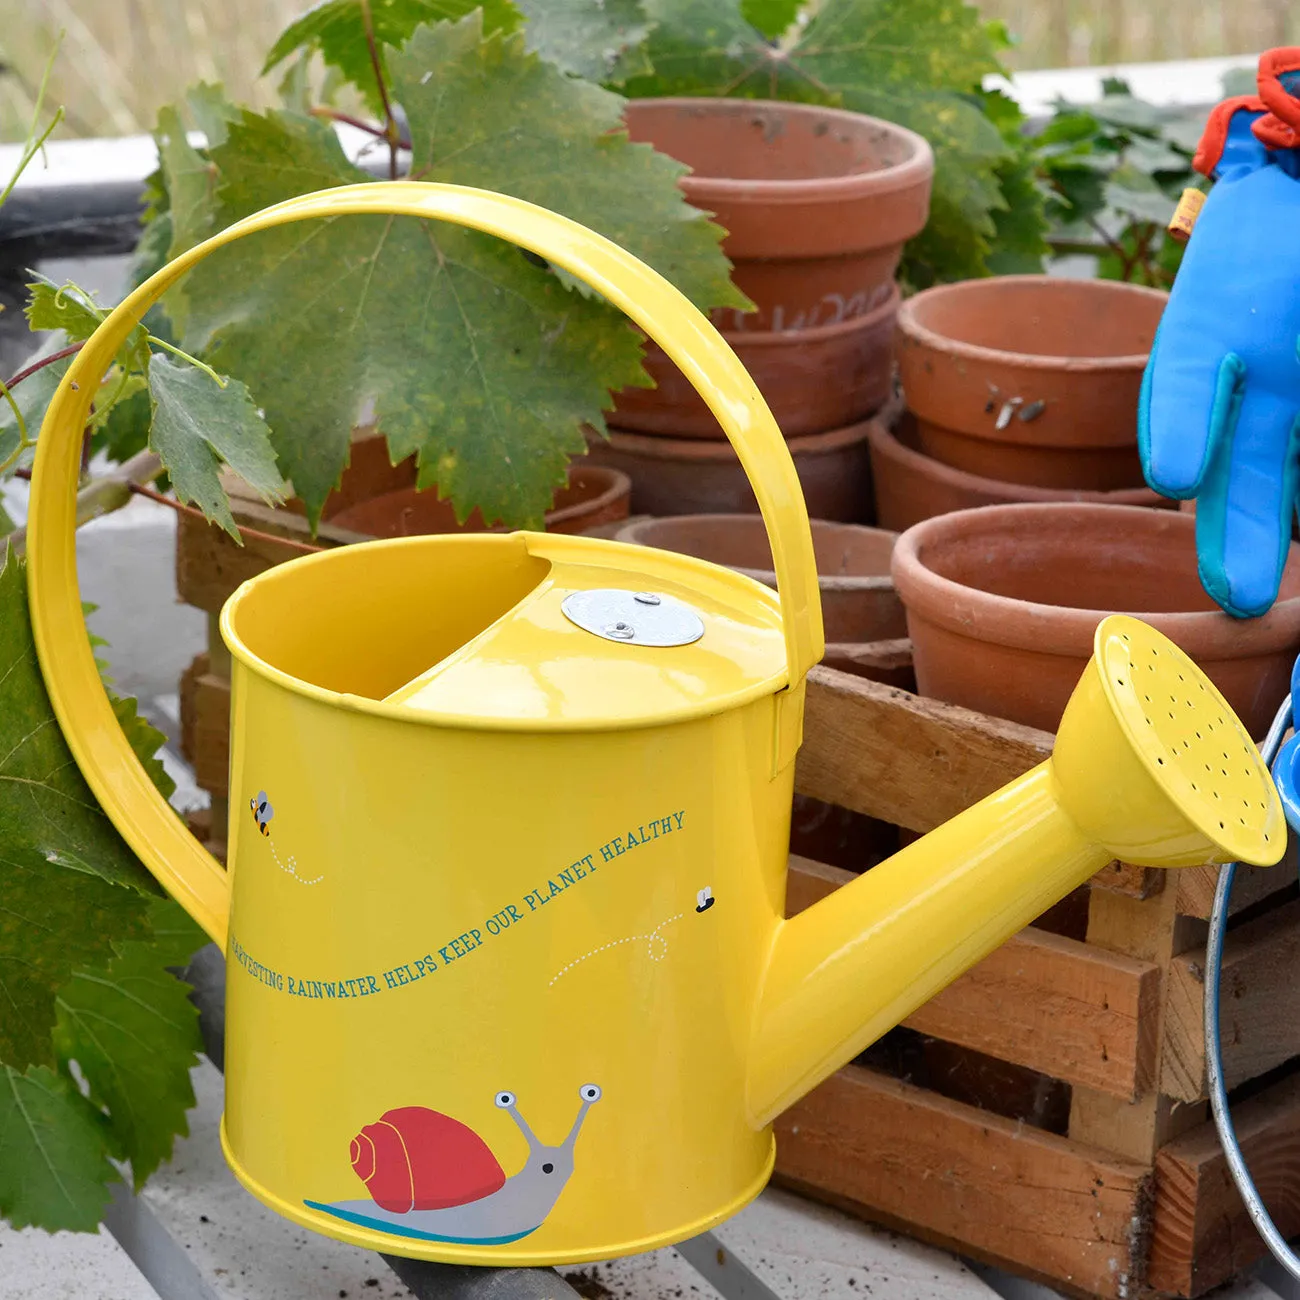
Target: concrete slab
[(38, 1265), (241, 1249)]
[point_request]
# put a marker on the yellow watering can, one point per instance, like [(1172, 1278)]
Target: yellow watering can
[(508, 979)]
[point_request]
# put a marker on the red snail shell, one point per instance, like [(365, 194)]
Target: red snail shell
[(413, 1158)]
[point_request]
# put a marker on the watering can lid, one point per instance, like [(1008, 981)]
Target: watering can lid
[(598, 635), (613, 635)]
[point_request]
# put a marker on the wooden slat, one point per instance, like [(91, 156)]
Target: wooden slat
[(1202, 1234), (1196, 885), (903, 758), (917, 762), (994, 1188), (889, 662), (210, 564), (205, 726), (1147, 930), (1044, 1001), (1259, 1006)]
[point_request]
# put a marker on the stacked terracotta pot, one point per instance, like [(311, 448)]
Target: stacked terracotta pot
[(1018, 389), (818, 204)]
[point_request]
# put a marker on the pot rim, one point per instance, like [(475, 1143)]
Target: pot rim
[(885, 442), (619, 485), (1062, 629), (918, 334), (738, 340), (917, 168), (662, 446), (837, 582)]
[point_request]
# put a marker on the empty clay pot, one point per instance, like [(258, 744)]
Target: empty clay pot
[(673, 476), (595, 494), (1030, 378), (1002, 603), (911, 486), (858, 598), (813, 380), (817, 202)]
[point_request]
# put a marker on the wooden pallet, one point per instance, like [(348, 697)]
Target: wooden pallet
[(1047, 1111)]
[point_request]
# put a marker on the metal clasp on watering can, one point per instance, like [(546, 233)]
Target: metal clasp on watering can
[(508, 979)]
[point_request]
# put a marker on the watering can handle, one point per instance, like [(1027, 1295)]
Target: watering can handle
[(145, 819)]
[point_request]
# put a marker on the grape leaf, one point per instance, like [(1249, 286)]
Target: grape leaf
[(601, 40), (771, 17), (336, 30), (197, 424), (53, 306), (134, 1035), (143, 737), (473, 356), (914, 62), (124, 430), (54, 1169), (1135, 196), (31, 397), (70, 885), (151, 252), (175, 936), (1019, 243), (210, 111)]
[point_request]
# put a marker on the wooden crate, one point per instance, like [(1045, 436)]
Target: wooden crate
[(1047, 1111)]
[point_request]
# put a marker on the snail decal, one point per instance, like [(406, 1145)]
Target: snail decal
[(433, 1178)]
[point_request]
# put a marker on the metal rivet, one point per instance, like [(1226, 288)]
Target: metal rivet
[(646, 598), (621, 631)]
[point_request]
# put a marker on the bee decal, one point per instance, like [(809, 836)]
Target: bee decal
[(262, 811)]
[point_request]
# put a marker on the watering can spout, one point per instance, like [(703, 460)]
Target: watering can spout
[(1150, 766)]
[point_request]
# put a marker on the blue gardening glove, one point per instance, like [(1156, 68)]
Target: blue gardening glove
[(1221, 395)]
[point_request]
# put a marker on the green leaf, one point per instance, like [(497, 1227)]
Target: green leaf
[(210, 111), (54, 1169), (190, 180), (918, 63), (63, 867), (197, 424), (601, 40), (175, 938), (124, 431), (490, 367), (336, 30), (134, 1035), (771, 17), (63, 307), (145, 739), (1135, 195), (32, 397), (1019, 242), (7, 524)]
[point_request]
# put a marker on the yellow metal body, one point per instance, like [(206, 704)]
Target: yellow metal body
[(508, 979)]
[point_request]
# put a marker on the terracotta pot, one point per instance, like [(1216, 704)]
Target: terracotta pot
[(595, 495), (1069, 356), (911, 486), (858, 598), (812, 380), (673, 476), (986, 593), (817, 203)]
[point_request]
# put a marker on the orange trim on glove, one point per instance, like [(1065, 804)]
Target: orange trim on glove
[(1280, 129), (1215, 135)]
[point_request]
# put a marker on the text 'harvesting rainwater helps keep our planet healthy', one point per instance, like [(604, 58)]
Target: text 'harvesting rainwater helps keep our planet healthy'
[(342, 984)]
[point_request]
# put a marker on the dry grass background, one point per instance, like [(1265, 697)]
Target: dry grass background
[(122, 59)]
